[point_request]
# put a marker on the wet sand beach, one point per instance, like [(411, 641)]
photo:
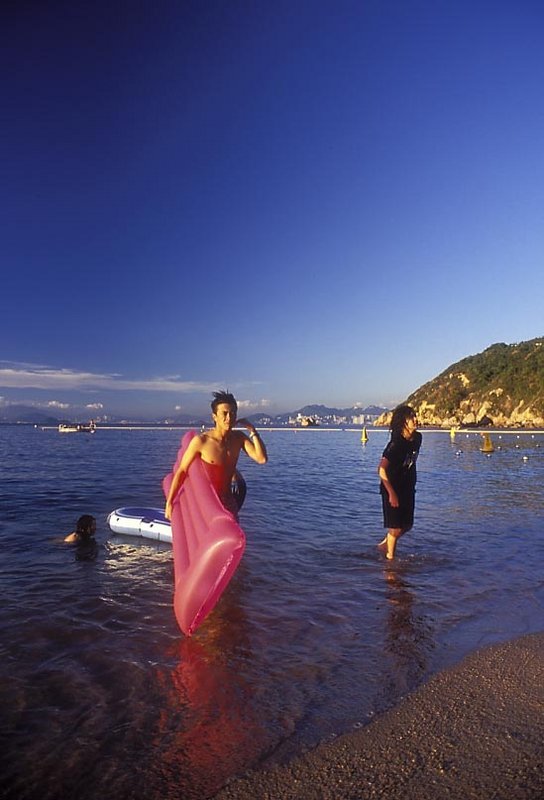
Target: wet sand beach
[(473, 731)]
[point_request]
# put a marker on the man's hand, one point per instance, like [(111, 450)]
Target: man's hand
[(255, 447)]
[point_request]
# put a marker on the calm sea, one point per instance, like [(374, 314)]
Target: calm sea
[(102, 696)]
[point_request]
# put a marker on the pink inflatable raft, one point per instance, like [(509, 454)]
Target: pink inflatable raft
[(207, 544), (207, 541)]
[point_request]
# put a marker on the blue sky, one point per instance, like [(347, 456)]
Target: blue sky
[(301, 201)]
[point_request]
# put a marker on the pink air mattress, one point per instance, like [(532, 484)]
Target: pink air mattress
[(207, 544)]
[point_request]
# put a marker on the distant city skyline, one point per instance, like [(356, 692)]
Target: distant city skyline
[(301, 202)]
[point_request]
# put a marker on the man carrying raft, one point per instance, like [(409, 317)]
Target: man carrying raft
[(219, 449)]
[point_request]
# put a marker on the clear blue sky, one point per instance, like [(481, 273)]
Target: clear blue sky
[(303, 201)]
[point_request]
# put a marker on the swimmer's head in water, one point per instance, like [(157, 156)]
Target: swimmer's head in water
[(86, 526)]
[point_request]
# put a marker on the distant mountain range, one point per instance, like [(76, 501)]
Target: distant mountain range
[(323, 415), (26, 414)]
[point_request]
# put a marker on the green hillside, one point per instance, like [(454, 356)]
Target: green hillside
[(503, 385)]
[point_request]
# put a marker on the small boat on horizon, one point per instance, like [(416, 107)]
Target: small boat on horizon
[(77, 427)]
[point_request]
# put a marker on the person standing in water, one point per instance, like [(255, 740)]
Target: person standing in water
[(218, 450), (397, 471)]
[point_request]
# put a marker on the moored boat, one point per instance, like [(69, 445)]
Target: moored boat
[(77, 427)]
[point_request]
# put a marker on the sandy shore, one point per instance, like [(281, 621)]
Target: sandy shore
[(474, 731)]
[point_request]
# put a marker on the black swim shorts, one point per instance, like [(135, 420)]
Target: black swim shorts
[(401, 517)]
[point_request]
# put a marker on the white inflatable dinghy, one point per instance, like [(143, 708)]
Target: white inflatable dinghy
[(147, 522)]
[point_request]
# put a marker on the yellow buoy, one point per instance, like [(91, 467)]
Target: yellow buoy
[(487, 445), (364, 435)]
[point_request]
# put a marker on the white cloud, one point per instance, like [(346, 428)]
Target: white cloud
[(95, 406), (31, 376), (253, 405), (57, 404)]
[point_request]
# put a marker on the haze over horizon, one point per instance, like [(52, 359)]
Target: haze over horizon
[(19, 413), (300, 202)]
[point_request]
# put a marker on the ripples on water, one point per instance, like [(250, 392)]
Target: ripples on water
[(102, 696)]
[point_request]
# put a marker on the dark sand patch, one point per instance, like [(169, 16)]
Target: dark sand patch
[(475, 731)]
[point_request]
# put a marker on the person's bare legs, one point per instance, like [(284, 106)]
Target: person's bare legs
[(391, 541)]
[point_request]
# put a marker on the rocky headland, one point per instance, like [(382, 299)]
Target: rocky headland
[(503, 386)]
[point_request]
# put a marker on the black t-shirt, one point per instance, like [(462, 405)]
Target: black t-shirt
[(402, 454)]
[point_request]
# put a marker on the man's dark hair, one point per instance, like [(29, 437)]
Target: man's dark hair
[(398, 420), (223, 397)]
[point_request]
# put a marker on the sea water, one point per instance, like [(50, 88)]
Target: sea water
[(102, 696)]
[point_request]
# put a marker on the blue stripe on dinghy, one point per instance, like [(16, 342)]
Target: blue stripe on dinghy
[(137, 512)]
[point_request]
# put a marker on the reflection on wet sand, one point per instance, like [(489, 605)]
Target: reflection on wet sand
[(409, 636)]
